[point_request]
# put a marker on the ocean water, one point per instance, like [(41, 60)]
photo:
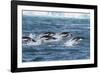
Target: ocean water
[(57, 51)]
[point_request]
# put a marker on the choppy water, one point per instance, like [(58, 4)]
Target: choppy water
[(44, 52)]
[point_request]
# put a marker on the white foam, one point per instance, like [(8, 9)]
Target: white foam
[(71, 42), (32, 35)]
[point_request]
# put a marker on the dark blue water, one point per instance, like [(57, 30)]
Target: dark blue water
[(40, 24)]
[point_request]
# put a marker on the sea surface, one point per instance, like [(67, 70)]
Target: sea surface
[(38, 24)]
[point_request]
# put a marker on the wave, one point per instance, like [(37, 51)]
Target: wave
[(59, 40)]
